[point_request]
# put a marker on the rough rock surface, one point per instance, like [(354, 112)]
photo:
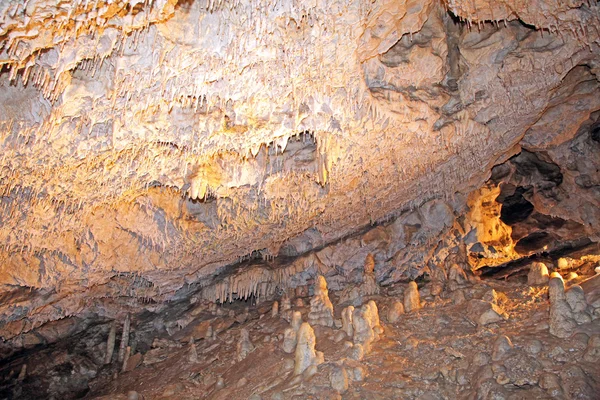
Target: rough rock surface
[(148, 146), (162, 158)]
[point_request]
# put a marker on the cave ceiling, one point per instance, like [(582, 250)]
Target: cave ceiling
[(167, 140)]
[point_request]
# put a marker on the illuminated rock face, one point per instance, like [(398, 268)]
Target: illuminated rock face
[(149, 146)]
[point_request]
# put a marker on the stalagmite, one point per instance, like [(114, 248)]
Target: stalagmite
[(193, 353), (285, 303), (126, 358), (306, 355), (412, 300), (395, 310), (22, 373), (347, 321), (369, 286), (367, 328), (456, 277), (561, 321), (339, 380), (124, 338), (290, 335), (275, 309), (110, 343), (321, 309), (296, 320), (538, 274), (244, 345), (580, 310)]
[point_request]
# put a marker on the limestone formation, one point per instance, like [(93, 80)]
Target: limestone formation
[(285, 303), (321, 309), (290, 335), (538, 274), (501, 347), (110, 343), (580, 309), (126, 359), (156, 156), (339, 380), (369, 285), (412, 300), (22, 373), (296, 320), (365, 322), (306, 355), (374, 315), (275, 309), (395, 310), (124, 338), (244, 345), (561, 321), (457, 274), (592, 351), (290, 340), (347, 325), (193, 353)]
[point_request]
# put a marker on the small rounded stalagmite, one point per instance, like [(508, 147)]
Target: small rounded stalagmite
[(538, 274), (412, 300)]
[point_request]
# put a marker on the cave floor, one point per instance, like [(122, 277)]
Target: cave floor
[(441, 351)]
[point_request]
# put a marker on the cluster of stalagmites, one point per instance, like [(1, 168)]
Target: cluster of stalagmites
[(568, 307), (361, 325)]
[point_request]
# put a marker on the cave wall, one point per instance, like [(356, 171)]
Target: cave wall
[(148, 148)]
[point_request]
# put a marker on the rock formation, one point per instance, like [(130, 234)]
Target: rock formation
[(538, 274), (347, 325), (561, 322), (124, 338), (395, 310), (275, 309), (365, 321), (321, 309), (244, 345), (170, 159), (306, 355), (290, 335), (368, 287), (193, 353), (412, 300), (110, 343)]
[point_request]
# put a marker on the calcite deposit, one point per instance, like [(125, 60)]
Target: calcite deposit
[(184, 183)]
